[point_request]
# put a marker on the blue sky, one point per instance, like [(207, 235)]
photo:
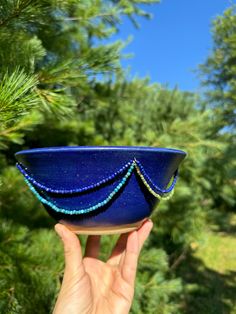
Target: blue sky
[(170, 46)]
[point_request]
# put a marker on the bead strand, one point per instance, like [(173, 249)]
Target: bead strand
[(84, 210), (71, 191), (159, 190), (133, 165), (160, 197), (103, 181)]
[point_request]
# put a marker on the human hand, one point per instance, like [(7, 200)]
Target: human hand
[(93, 287)]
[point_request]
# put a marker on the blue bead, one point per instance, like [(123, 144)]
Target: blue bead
[(116, 189)]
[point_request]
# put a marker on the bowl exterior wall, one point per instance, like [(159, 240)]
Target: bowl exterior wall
[(78, 167)]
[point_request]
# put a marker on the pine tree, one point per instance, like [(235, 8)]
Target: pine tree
[(219, 70), (219, 76)]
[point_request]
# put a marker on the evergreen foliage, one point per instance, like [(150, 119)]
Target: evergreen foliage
[(220, 70), (219, 76), (59, 85)]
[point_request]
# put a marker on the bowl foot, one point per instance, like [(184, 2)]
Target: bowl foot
[(103, 230)]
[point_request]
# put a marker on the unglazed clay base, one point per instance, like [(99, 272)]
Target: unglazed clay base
[(103, 230)]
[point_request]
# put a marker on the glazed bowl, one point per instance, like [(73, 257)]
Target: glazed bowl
[(100, 189)]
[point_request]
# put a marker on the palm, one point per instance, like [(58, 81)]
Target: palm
[(112, 294), (92, 286)]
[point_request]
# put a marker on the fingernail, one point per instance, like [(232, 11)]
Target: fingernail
[(58, 230)]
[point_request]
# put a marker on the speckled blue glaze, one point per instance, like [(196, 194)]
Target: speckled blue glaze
[(75, 167)]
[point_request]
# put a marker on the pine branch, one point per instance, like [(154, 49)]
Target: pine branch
[(179, 259), (20, 7), (17, 96)]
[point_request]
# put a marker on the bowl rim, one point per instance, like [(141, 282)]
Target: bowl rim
[(103, 148)]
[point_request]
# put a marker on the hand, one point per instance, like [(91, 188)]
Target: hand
[(91, 286)]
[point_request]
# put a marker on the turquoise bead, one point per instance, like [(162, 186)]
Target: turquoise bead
[(52, 204), (79, 211)]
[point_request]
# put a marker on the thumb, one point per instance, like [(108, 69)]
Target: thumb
[(72, 250)]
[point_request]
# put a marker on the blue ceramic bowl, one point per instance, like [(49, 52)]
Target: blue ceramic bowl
[(103, 189)]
